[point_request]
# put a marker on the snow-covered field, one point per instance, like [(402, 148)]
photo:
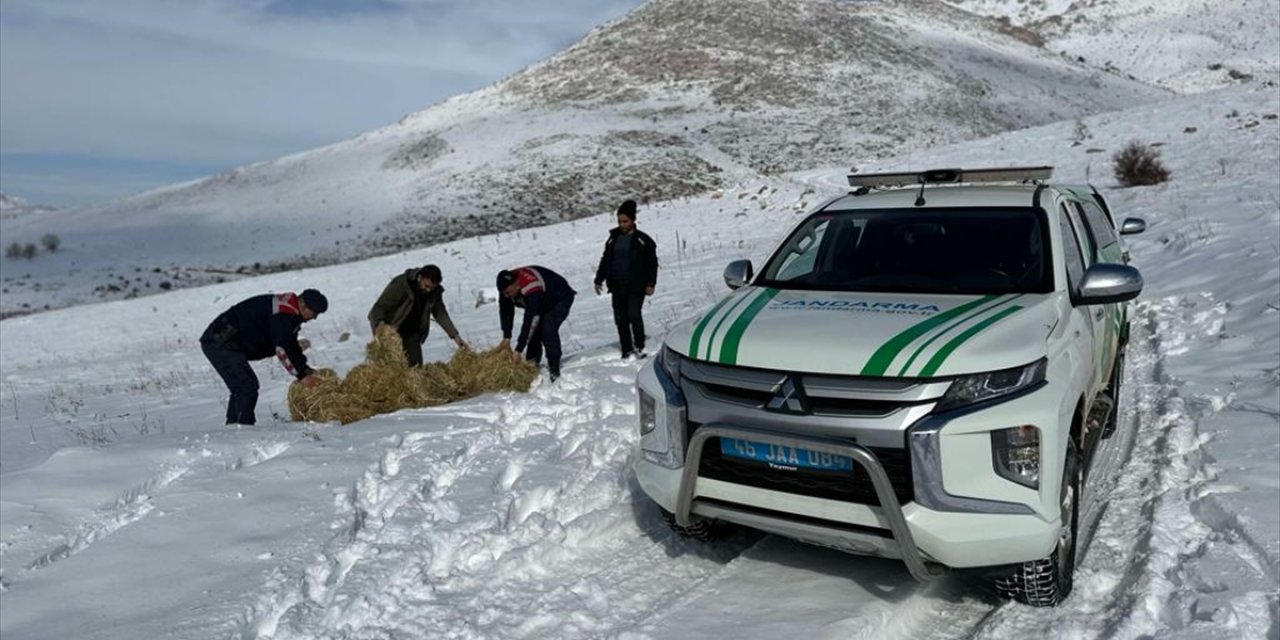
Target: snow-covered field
[(129, 511)]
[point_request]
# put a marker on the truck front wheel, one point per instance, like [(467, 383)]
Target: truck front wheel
[(1046, 582)]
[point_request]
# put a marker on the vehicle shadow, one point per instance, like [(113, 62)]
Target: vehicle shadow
[(886, 579)]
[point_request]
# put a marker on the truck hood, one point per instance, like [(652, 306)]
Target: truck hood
[(870, 334)]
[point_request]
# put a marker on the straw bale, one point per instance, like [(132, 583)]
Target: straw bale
[(386, 349), (385, 382), (497, 369), (302, 399)]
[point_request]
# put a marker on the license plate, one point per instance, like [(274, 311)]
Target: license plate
[(786, 458)]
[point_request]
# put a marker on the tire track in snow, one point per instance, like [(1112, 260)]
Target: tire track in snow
[(532, 513), (1135, 578)]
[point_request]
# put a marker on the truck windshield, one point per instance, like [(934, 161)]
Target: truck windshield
[(943, 250)]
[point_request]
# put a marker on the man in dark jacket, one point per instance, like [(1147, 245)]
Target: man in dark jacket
[(546, 298), (630, 268), (407, 305), (257, 328)]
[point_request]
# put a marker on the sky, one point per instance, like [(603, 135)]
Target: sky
[(99, 100)]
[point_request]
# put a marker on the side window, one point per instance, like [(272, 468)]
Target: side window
[(1099, 226), (802, 253), (1071, 250), (1083, 236)]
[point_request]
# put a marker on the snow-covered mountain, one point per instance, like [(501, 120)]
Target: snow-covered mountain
[(128, 511), (1184, 45), (675, 99), (13, 206)]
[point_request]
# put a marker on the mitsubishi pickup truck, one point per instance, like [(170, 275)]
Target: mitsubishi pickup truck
[(920, 370)]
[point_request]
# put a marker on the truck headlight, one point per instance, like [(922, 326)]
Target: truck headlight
[(648, 412), (993, 384), (1016, 454), (669, 363)]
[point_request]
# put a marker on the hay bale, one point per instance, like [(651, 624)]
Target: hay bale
[(303, 399), (386, 383), (437, 383), (497, 369), (386, 349), (381, 388)]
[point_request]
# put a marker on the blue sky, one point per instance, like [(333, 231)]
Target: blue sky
[(103, 98)]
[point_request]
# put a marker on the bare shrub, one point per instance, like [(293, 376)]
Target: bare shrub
[(14, 250), (1138, 164), (51, 242), (29, 250)]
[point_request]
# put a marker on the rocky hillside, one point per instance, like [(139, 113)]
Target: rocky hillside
[(678, 97)]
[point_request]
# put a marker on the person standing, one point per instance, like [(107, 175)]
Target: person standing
[(546, 298), (629, 267), (257, 328), (407, 305)]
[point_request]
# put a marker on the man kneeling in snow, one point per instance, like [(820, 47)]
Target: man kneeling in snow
[(257, 328)]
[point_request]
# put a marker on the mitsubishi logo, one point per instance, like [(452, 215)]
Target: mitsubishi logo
[(788, 399)]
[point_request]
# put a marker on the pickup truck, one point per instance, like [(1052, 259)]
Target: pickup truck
[(920, 370)]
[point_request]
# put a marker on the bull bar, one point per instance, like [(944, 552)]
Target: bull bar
[(916, 564)]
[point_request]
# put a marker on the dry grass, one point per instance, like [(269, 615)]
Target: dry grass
[(386, 383)]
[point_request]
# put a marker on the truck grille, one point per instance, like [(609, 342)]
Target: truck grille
[(845, 486)]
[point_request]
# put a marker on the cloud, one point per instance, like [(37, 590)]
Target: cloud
[(220, 83)]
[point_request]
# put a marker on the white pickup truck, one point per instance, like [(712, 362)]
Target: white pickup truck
[(921, 370)]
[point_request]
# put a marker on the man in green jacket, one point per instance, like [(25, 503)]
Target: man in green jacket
[(407, 305)]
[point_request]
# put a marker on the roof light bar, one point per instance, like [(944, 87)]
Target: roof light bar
[(951, 176)]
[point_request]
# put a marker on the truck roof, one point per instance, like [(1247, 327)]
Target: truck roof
[(938, 196)]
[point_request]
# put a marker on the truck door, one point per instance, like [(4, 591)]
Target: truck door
[(1077, 261), (1107, 249)]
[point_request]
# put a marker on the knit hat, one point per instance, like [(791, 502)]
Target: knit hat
[(432, 272), (505, 278), (315, 301), (628, 209)]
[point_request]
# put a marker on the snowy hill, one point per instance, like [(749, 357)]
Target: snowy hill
[(1184, 45), (128, 511), (675, 99), (13, 207)]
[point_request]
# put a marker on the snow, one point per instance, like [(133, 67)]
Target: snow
[(129, 511)]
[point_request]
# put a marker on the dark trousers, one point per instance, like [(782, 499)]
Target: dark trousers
[(234, 368), (546, 334), (627, 305), (412, 348)]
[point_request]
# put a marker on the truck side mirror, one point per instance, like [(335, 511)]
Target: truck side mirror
[(738, 273), (1132, 226), (1107, 283)]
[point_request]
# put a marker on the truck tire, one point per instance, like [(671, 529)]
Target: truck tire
[(1046, 582), (1113, 389)]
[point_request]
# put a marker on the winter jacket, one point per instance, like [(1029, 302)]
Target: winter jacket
[(541, 289), (395, 305), (260, 327), (644, 262)]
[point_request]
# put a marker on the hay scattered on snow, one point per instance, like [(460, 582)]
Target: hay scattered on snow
[(386, 383)]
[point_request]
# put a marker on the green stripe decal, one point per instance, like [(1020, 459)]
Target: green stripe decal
[(702, 325), (711, 341), (953, 325), (938, 358), (729, 352), (883, 357)]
